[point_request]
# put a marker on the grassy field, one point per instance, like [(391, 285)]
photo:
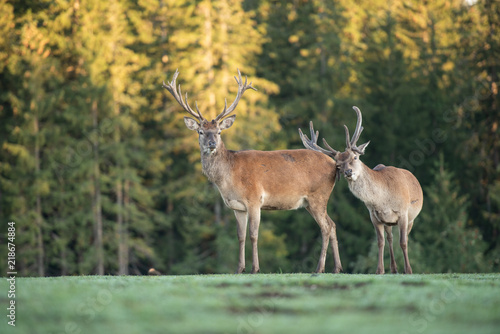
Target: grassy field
[(263, 303)]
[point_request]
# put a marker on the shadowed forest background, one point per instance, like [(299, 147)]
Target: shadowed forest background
[(101, 175)]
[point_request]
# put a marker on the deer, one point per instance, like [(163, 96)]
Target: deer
[(250, 181), (393, 196)]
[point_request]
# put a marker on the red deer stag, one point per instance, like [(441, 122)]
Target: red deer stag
[(251, 181), (392, 195)]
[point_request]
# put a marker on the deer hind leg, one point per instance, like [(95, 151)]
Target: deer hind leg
[(335, 246), (388, 232), (319, 214), (241, 218), (254, 219), (410, 225), (379, 230), (403, 241)]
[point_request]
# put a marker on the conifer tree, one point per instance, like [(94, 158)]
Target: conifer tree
[(483, 139), (101, 175), (449, 241)]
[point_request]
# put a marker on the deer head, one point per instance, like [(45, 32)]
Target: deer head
[(348, 161), (208, 131)]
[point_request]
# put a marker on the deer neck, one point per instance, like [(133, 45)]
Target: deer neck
[(365, 186), (216, 165)]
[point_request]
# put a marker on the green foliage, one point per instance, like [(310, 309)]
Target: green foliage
[(101, 175), (453, 244)]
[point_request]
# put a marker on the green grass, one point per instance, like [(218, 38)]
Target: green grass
[(263, 303)]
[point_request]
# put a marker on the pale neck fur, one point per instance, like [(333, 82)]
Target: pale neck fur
[(365, 186), (216, 165)]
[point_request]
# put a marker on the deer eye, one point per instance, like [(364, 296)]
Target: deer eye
[(219, 132), (200, 132), (355, 158)]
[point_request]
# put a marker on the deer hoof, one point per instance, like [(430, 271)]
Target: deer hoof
[(380, 272), (240, 270), (255, 271), (319, 270), (337, 270)]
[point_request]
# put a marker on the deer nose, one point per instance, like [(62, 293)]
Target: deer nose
[(212, 144), (348, 172)]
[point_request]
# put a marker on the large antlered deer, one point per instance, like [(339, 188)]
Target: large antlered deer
[(251, 181), (392, 195)]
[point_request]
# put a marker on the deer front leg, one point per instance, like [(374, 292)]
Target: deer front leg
[(254, 218), (388, 232), (241, 219), (335, 247), (403, 241), (325, 238), (319, 215), (379, 230)]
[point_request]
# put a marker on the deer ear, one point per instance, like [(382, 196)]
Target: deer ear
[(361, 148), (227, 122), (191, 123)]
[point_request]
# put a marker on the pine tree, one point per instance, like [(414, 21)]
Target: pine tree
[(118, 158), (101, 175), (32, 134), (8, 188), (450, 242), (482, 142)]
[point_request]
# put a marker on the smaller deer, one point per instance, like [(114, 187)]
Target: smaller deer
[(251, 181), (392, 195)]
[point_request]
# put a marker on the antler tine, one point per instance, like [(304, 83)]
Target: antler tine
[(197, 110), (329, 147), (359, 128), (347, 138), (312, 144), (223, 113), (306, 142), (241, 89), (177, 94), (314, 134)]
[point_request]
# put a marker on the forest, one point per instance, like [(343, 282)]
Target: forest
[(101, 176)]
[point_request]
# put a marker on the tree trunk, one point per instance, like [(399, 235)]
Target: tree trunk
[(38, 203), (209, 68), (208, 46), (64, 262), (97, 196), (123, 259), (170, 235), (40, 262)]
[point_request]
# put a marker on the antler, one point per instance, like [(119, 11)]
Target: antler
[(241, 89), (359, 128), (351, 143), (312, 144), (176, 93)]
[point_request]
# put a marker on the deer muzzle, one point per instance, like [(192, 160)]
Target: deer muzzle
[(348, 173)]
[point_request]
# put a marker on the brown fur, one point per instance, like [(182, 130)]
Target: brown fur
[(251, 181)]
